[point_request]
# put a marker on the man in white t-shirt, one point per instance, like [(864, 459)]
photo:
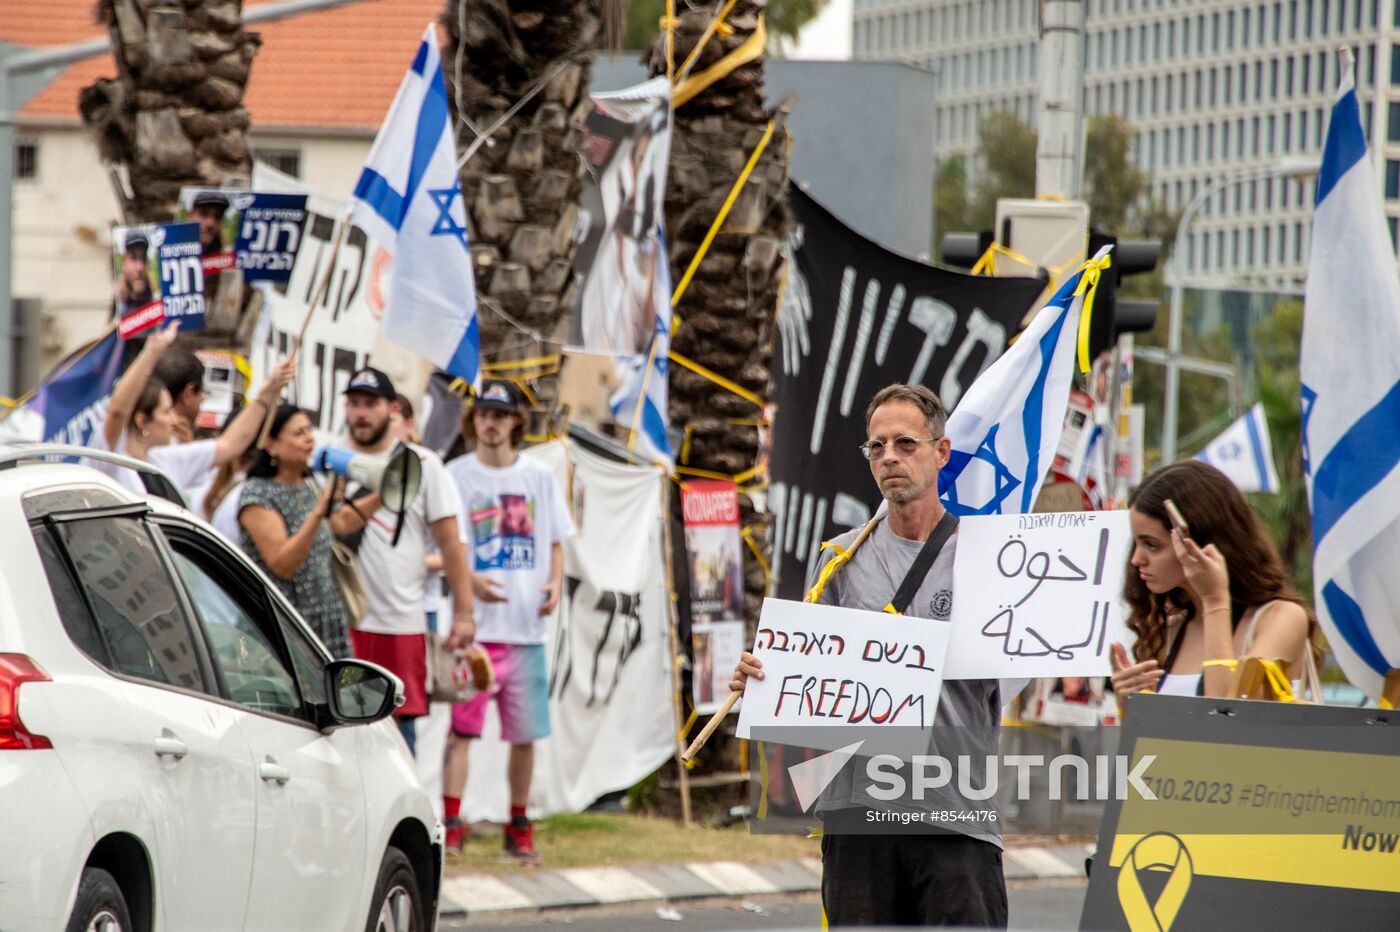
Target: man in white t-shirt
[(517, 520), (392, 560)]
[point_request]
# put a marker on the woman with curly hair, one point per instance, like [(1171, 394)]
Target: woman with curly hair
[(1216, 593)]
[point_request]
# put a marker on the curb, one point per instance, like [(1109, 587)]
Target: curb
[(593, 886)]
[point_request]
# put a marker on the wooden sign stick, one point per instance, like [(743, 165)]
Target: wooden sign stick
[(320, 296), (724, 710)]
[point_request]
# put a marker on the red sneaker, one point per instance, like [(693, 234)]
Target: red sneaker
[(456, 836), (520, 840)]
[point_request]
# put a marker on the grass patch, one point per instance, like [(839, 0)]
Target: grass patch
[(604, 839)]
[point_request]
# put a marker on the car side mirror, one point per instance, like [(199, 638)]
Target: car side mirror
[(360, 692)]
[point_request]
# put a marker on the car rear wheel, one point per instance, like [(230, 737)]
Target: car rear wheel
[(397, 905), (100, 906)]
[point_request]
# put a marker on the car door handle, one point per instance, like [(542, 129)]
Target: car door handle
[(170, 746), (274, 772)]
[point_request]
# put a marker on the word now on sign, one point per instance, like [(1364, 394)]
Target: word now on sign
[(832, 666)]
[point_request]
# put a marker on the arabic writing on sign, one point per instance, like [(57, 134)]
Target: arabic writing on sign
[(1016, 561), (1038, 595)]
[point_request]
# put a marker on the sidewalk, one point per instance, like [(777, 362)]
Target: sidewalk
[(476, 892)]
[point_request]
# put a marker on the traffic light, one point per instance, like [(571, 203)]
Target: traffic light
[(1112, 316)]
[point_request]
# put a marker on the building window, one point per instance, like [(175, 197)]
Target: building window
[(1371, 65), (1265, 246), (1287, 133), (26, 159), (286, 161), (1394, 225), (1392, 179)]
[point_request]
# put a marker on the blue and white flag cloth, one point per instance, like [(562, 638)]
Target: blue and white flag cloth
[(409, 200), (1006, 428), (639, 404), (1244, 453), (71, 403), (1350, 370)]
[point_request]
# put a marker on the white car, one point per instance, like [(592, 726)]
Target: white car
[(177, 749)]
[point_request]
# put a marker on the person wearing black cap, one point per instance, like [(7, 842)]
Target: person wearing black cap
[(208, 211), (518, 521), (392, 556), (134, 284)]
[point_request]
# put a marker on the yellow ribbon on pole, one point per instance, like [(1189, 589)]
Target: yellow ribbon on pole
[(718, 379), (1160, 851), (1088, 289), (696, 84)]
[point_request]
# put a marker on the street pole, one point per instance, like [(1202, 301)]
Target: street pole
[(15, 63), (1299, 171), (1059, 147)]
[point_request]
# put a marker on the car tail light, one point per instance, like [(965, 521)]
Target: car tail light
[(15, 670)]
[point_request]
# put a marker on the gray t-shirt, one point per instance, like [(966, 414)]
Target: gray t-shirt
[(968, 719)]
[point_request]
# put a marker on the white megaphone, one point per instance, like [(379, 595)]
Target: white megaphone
[(396, 476)]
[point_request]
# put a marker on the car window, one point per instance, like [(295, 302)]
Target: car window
[(246, 657), (133, 600), (308, 662), (72, 608)]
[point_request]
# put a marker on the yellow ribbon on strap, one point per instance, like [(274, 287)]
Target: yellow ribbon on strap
[(1088, 289), (842, 557), (1390, 690), (1267, 671), (1160, 851)]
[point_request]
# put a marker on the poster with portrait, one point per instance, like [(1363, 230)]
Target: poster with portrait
[(218, 212), (714, 550), (621, 263), (137, 289)]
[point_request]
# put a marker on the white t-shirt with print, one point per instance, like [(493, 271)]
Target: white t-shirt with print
[(187, 464), (512, 518), (393, 577)]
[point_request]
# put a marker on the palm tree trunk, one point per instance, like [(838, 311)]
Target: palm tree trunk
[(174, 116), (521, 189), (728, 310)]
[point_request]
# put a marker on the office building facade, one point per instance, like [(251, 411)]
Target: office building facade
[(1213, 89)]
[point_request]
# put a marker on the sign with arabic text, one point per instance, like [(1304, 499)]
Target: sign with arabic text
[(1038, 594)]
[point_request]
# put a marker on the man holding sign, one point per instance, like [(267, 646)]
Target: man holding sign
[(952, 876)]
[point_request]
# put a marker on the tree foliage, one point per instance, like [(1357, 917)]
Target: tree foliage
[(1006, 152), (781, 18)]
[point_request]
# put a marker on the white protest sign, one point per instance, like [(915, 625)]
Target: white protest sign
[(1039, 594), (840, 668)]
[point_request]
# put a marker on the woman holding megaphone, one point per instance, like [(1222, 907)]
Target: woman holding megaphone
[(286, 525)]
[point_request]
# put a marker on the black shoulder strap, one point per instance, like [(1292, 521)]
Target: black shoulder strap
[(923, 562)]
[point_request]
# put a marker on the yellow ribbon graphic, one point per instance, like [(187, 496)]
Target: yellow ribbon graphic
[(1160, 851)]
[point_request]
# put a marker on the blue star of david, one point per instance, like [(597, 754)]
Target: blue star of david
[(1232, 451), (1004, 482), (446, 224), (1308, 396)]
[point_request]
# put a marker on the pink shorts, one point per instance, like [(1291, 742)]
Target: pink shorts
[(521, 695), (405, 656)]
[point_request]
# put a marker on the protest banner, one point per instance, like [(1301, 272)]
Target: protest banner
[(621, 262), (181, 274), (137, 288), (343, 330), (710, 509), (1038, 594), (218, 218), (609, 652), (856, 317), (269, 234), (831, 666), (1263, 816)]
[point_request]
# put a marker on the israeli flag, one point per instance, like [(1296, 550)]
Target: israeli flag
[(1006, 428), (1350, 370), (409, 200), (639, 404), (1244, 453)]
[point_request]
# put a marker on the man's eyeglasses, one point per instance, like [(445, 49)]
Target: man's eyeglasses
[(904, 446)]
